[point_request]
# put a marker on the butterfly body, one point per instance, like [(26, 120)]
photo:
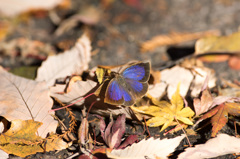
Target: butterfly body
[(128, 85)]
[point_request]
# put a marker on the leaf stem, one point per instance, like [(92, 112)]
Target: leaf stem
[(71, 103), (184, 132)]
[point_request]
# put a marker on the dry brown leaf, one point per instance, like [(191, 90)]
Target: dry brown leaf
[(73, 61), (157, 90), (219, 49), (171, 77), (151, 148), (26, 99), (201, 106), (174, 38), (200, 75), (14, 7), (221, 145), (218, 44), (3, 155), (207, 102), (219, 115), (73, 79)]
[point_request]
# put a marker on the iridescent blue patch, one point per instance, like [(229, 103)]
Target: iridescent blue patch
[(129, 85)]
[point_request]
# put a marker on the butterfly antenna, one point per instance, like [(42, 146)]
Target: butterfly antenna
[(119, 67), (53, 110)]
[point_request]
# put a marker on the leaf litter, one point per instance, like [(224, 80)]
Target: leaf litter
[(161, 113), (27, 101)]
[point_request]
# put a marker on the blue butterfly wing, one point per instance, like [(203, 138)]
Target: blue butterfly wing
[(135, 78), (130, 85), (136, 89), (116, 94), (139, 72)]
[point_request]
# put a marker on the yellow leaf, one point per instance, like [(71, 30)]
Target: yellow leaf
[(156, 121), (151, 110), (167, 123), (166, 114), (100, 72), (186, 112), (220, 44), (185, 120), (22, 139), (177, 101)]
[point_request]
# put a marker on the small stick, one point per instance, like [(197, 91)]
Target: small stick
[(146, 126)]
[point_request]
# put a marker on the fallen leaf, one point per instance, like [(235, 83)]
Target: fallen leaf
[(191, 80), (214, 57), (200, 75), (3, 155), (165, 113), (219, 115), (218, 44), (175, 75), (151, 148), (72, 80), (219, 49), (157, 90), (14, 7), (85, 139), (21, 139), (221, 145), (203, 105), (113, 133), (207, 102), (73, 61), (174, 38), (100, 72), (26, 99)]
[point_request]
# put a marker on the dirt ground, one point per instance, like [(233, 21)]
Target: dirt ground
[(122, 27)]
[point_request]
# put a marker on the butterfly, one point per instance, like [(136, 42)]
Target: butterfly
[(128, 85)]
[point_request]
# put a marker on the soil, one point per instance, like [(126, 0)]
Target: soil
[(117, 37)]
